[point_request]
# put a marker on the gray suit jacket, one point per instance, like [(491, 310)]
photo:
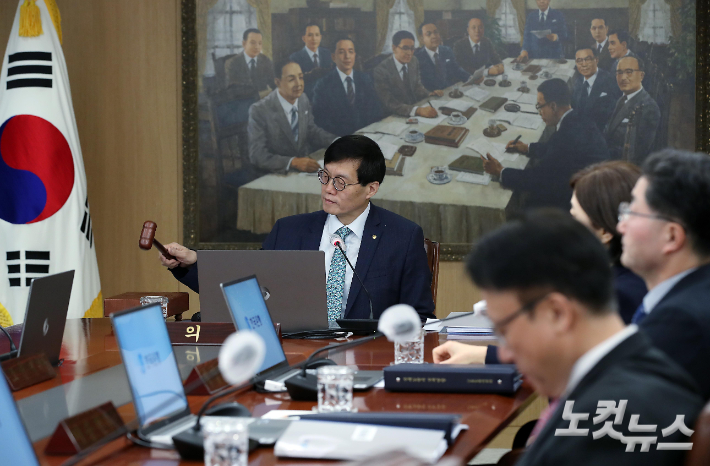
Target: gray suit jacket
[(390, 87), (642, 133), (271, 143), (237, 75)]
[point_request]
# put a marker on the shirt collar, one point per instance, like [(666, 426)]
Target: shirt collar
[(248, 59), (343, 75), (356, 227), (604, 42), (470, 41), (592, 357), (432, 52), (544, 12), (311, 52), (562, 118), (399, 65), (286, 105), (656, 294), (592, 79), (633, 94)]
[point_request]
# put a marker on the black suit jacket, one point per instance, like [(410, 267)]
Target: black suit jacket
[(605, 60), (601, 100), (679, 326), (642, 133), (486, 56), (577, 144), (332, 110), (310, 76), (239, 80), (448, 74), (656, 389), (392, 262), (630, 290)]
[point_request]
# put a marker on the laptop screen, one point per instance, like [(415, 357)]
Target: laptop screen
[(15, 445), (249, 312), (150, 364)]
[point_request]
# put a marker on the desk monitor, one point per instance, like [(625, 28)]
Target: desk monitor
[(15, 444), (292, 282)]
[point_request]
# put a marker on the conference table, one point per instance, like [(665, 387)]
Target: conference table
[(454, 212), (92, 374)]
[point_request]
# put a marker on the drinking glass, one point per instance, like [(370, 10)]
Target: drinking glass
[(226, 441), (335, 388)]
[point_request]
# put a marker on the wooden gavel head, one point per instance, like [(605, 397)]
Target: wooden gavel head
[(147, 239)]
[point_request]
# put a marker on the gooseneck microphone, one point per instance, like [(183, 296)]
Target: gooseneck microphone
[(13, 348), (338, 242)]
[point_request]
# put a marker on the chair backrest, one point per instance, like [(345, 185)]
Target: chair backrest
[(700, 454), (432, 255)]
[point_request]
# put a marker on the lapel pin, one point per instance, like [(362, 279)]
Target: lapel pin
[(374, 236)]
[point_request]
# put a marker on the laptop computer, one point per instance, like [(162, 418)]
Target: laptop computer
[(293, 283), (15, 444), (46, 316), (249, 311)]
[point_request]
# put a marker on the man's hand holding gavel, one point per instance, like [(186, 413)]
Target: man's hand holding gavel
[(184, 257)]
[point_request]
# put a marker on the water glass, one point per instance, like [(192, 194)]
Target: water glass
[(226, 441), (410, 352), (335, 388), (163, 300)]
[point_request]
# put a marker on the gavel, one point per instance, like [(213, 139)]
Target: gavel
[(148, 239)]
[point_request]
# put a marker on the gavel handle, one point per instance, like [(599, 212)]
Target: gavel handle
[(162, 250)]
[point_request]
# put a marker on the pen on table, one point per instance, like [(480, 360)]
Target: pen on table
[(512, 145), (430, 103)]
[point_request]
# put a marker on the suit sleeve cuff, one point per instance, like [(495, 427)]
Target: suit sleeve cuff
[(288, 165), (413, 112)]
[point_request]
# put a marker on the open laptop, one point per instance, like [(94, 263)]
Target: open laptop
[(292, 282), (249, 311), (15, 444), (46, 316)]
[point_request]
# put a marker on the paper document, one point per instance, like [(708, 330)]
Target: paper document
[(391, 127), (476, 76), (483, 146), (530, 99), (387, 149), (476, 93), (528, 108), (460, 105), (513, 95), (474, 178), (527, 121), (432, 121)]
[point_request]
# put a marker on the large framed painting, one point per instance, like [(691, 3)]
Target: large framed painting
[(461, 81)]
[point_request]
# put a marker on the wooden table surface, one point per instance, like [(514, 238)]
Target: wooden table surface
[(89, 348)]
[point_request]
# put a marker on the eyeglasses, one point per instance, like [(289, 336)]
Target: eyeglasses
[(625, 211), (538, 106), (499, 326), (338, 183), (579, 61), (628, 72), (407, 48)]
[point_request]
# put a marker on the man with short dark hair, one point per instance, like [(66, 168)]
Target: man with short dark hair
[(345, 100), (576, 143), (475, 51), (250, 72), (397, 80), (619, 46), (544, 19), (632, 126), (548, 289), (314, 60), (386, 250), (282, 132), (666, 241), (594, 92), (599, 31), (437, 66)]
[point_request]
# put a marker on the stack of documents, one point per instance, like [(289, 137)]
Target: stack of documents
[(387, 149), (476, 93), (469, 327), (474, 178)]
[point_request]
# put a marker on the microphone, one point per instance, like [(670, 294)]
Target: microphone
[(360, 324), (13, 348), (398, 323), (147, 239)]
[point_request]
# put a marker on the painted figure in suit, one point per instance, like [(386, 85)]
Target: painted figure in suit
[(599, 31), (386, 250), (476, 51), (437, 66), (594, 92), (576, 144), (544, 19), (281, 128), (314, 60), (345, 99), (251, 73), (397, 80), (666, 238), (619, 47), (547, 285), (632, 126)]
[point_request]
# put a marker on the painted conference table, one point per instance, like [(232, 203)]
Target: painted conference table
[(92, 374), (455, 212)]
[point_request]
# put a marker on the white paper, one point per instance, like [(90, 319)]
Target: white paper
[(460, 105), (387, 149), (433, 121), (528, 108), (483, 146), (525, 120), (530, 99), (439, 103), (392, 127), (476, 93), (542, 33), (512, 95), (473, 178)]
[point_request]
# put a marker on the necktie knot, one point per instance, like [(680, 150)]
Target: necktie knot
[(475, 48), (599, 47), (404, 69), (252, 63), (315, 59), (343, 232), (586, 85)]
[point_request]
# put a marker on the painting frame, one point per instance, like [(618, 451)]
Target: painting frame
[(448, 251)]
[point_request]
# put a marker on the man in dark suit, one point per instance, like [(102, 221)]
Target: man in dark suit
[(577, 143), (250, 73), (619, 47), (549, 46), (386, 250), (666, 239), (476, 51), (599, 31), (548, 289), (314, 60), (632, 126), (397, 80), (437, 66), (281, 128), (594, 92), (345, 99)]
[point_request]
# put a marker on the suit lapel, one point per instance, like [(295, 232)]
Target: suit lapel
[(618, 115), (281, 119), (311, 241), (368, 245), (302, 122), (397, 77)]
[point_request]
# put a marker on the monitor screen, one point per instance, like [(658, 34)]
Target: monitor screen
[(150, 364), (15, 445), (249, 312)]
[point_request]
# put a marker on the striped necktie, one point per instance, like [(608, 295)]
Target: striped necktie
[(351, 90), (335, 285), (294, 123)]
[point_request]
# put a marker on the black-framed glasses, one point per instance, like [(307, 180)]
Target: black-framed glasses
[(625, 211), (628, 72), (589, 59), (499, 326), (338, 183), (538, 107), (407, 48)]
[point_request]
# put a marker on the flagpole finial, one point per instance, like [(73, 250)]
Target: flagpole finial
[(30, 20)]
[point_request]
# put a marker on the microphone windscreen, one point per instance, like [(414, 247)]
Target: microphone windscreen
[(337, 239), (400, 323), (241, 356)]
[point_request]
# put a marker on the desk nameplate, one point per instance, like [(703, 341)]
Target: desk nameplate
[(203, 333)]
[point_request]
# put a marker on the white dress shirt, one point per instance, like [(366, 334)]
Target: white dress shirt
[(248, 59), (431, 54), (287, 106), (343, 77), (352, 245), (591, 81), (544, 13), (311, 53), (656, 294), (631, 96), (399, 66), (603, 44)]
